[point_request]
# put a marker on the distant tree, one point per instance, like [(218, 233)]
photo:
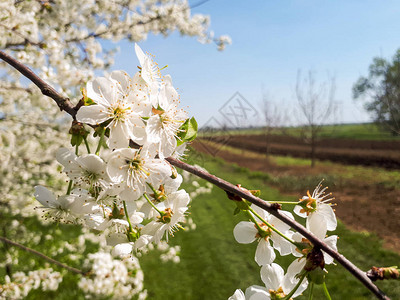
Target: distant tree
[(272, 116), (317, 106), (381, 91)]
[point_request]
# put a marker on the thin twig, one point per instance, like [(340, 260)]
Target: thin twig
[(356, 272), (227, 186), (62, 102), (49, 259)]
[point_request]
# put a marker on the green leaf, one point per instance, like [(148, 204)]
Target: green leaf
[(187, 131), (89, 102), (236, 211)]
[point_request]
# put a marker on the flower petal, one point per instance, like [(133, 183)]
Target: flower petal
[(93, 114), (122, 249), (256, 292), (331, 241), (295, 268), (238, 295), (272, 276), (264, 253), (245, 232), (92, 163), (119, 137), (64, 156), (329, 215), (317, 225), (45, 197), (297, 210)]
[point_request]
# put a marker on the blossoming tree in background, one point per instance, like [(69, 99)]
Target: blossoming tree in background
[(63, 41)]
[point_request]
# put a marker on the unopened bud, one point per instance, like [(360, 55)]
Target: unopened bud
[(314, 260), (383, 273), (77, 128)]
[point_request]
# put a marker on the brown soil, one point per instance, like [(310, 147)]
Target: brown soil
[(360, 205), (371, 153)]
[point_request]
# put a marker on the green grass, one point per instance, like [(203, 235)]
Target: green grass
[(213, 264), (334, 173), (364, 131)]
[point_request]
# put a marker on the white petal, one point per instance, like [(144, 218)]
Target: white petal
[(151, 228), (238, 295), (119, 138), (263, 213), (331, 241), (45, 197), (136, 217), (97, 220), (105, 89), (123, 79), (245, 232), (92, 163), (67, 201), (256, 292), (93, 114), (280, 225), (131, 194), (172, 185), (94, 95), (289, 283), (135, 130), (116, 238), (116, 161), (317, 225), (64, 156), (295, 268), (142, 241), (272, 276), (297, 210), (122, 249), (283, 246), (330, 217), (140, 54), (265, 254)]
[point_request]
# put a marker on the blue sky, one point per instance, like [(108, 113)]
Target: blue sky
[(272, 40)]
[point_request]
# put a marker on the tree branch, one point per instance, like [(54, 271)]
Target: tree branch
[(49, 259), (62, 102), (227, 186), (356, 272)]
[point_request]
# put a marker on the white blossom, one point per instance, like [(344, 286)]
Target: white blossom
[(316, 209)]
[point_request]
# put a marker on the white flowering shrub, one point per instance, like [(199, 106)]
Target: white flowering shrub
[(62, 41), (114, 278), (22, 284), (115, 192)]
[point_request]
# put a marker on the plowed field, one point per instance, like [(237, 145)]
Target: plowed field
[(356, 152), (361, 205)]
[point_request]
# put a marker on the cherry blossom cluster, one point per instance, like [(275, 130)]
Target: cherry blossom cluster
[(63, 39), (22, 284), (112, 278), (130, 192), (272, 235)]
